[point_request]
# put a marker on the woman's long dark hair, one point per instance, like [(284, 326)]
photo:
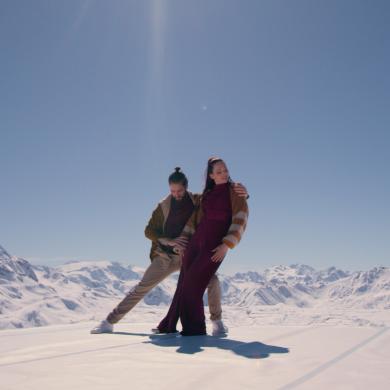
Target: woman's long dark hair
[(209, 182)]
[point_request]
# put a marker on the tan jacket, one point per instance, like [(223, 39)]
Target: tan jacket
[(155, 227)]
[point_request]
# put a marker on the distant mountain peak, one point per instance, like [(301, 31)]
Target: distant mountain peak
[(302, 268), (15, 267), (4, 254)]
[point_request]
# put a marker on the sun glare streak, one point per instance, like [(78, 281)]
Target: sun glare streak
[(157, 44), (85, 5), (155, 69)]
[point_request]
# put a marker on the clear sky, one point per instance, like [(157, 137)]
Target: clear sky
[(100, 100)]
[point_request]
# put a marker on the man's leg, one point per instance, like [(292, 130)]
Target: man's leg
[(214, 298), (158, 270)]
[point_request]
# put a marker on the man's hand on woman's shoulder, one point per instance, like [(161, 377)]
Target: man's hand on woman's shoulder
[(240, 190)]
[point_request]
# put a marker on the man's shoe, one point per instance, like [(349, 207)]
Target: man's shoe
[(103, 327), (219, 329)]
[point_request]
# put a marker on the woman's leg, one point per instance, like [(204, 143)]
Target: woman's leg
[(169, 322), (194, 284)]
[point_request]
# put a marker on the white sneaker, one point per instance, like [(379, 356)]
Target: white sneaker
[(219, 329), (103, 327)]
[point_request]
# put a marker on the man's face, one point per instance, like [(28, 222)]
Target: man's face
[(177, 190)]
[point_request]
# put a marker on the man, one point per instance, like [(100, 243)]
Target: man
[(166, 225)]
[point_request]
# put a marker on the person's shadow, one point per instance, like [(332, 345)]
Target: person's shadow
[(195, 344)]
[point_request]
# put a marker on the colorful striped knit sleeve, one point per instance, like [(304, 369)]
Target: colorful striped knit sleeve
[(240, 214)]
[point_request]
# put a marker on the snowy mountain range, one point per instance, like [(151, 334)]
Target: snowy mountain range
[(33, 295)]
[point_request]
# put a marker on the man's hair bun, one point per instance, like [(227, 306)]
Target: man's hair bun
[(178, 177)]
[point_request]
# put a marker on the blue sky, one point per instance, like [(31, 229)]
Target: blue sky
[(101, 100)]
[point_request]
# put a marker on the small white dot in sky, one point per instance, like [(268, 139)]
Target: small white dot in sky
[(204, 108)]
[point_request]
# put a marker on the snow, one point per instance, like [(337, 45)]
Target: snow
[(298, 294), (251, 357), (289, 327)]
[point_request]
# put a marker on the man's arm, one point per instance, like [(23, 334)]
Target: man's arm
[(180, 243), (154, 228)]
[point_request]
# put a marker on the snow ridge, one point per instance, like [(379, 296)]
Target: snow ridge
[(39, 295)]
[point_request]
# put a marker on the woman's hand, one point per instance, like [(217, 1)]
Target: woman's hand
[(165, 241), (174, 242), (219, 253), (178, 244)]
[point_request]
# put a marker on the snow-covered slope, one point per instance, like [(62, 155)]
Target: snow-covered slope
[(251, 357), (302, 286), (296, 294), (13, 268), (40, 295), (366, 290)]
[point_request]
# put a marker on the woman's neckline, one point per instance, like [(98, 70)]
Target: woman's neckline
[(221, 185)]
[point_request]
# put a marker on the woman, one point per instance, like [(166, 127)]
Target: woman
[(219, 222)]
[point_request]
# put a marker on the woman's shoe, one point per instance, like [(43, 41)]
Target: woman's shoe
[(219, 329)]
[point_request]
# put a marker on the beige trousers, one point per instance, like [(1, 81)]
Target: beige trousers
[(160, 268)]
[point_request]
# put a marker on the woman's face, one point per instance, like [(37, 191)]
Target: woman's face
[(220, 173)]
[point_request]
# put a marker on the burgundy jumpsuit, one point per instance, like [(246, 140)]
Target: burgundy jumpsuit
[(197, 267)]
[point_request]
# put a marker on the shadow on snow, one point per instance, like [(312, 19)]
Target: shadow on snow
[(195, 344)]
